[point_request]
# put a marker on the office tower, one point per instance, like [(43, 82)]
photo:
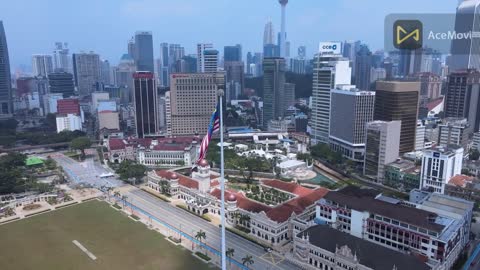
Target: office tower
[(377, 74), (420, 135), (430, 86), (269, 34), (381, 147), (439, 165), (131, 48), (162, 113), (476, 140), (210, 61), (86, 70), (298, 66), (350, 111), (271, 50), (124, 72), (163, 69), (61, 58), (61, 83), (329, 72), (463, 96), (145, 103), (302, 52), (396, 100), (144, 51), (201, 48), (465, 53), (273, 89), (105, 77), (232, 53), (288, 97), (283, 34), (42, 65), (188, 64), (235, 79), (6, 103), (454, 131), (363, 66), (176, 53), (190, 102)]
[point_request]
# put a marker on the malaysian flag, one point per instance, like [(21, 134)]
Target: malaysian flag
[(212, 127)]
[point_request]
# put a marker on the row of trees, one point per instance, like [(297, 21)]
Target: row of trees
[(247, 260), (131, 172)]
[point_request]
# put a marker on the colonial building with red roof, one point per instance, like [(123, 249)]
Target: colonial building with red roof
[(274, 225), (167, 152)]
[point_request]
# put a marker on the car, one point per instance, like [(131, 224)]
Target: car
[(267, 249)]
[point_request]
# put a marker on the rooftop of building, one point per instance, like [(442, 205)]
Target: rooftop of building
[(365, 200), (159, 144), (405, 165), (434, 103), (461, 180), (368, 254)]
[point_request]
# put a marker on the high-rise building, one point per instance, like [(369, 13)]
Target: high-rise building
[(420, 135), (363, 66), (288, 97), (439, 165), (455, 131), (6, 102), (144, 51), (430, 86), (210, 62), (61, 83), (87, 71), (273, 88), (201, 48), (61, 58), (131, 48), (70, 122), (97, 97), (283, 33), (190, 102), (163, 69), (381, 148), (235, 79), (124, 71), (398, 100), (465, 53), (329, 72), (42, 65), (232, 53), (105, 77), (351, 109), (463, 96), (146, 104), (268, 34), (302, 52)]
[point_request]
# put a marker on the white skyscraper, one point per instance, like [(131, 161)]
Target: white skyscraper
[(329, 72), (42, 65), (201, 48), (439, 165), (61, 58), (283, 33), (268, 34)]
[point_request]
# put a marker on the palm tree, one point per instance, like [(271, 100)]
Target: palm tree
[(230, 253), (201, 235), (247, 260), (124, 200)]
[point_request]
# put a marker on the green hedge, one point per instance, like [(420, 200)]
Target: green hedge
[(117, 206), (244, 235), (203, 256), (160, 196), (135, 217)]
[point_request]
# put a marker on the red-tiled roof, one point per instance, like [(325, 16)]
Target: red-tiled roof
[(460, 180), (116, 144), (288, 187), (214, 183), (182, 180), (434, 103)]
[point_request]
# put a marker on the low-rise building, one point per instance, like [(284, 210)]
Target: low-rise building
[(291, 207), (70, 122), (465, 187), (423, 227), (322, 247), (402, 174)]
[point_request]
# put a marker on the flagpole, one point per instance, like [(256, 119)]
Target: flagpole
[(222, 182)]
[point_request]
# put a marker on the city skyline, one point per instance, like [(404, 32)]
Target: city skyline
[(90, 29)]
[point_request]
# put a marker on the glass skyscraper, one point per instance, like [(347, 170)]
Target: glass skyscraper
[(6, 106), (144, 51)]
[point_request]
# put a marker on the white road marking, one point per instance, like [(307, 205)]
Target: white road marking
[(82, 248)]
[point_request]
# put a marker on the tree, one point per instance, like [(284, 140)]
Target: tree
[(201, 235), (247, 260), (81, 144), (474, 154), (124, 200), (51, 121), (230, 253), (129, 169)]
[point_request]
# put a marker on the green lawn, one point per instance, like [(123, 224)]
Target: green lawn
[(44, 242)]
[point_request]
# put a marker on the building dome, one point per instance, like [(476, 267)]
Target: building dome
[(203, 163), (174, 176), (231, 197)]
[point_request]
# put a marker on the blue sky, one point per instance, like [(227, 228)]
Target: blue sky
[(105, 26)]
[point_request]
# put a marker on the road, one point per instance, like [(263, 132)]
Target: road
[(191, 224), (86, 172)]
